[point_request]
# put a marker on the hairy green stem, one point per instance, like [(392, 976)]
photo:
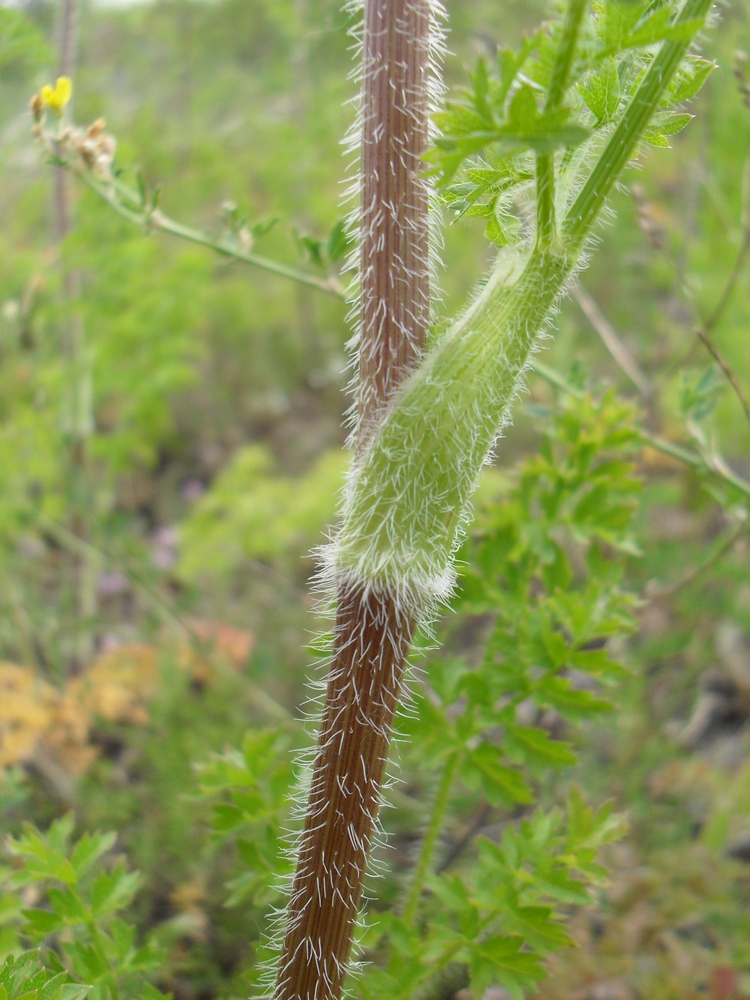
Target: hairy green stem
[(565, 55), (430, 839), (546, 216), (402, 517), (623, 141)]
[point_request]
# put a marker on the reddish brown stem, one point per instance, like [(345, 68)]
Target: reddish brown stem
[(394, 229), (372, 635), (363, 693), (65, 62)]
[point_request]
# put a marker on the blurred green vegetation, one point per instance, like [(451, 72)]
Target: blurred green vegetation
[(170, 440)]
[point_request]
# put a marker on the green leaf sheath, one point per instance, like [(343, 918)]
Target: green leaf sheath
[(409, 491)]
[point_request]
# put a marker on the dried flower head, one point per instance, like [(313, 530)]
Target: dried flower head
[(97, 148), (36, 105)]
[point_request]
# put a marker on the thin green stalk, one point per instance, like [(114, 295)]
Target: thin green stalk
[(565, 54), (546, 229), (670, 589), (430, 839), (156, 219), (714, 464), (546, 222)]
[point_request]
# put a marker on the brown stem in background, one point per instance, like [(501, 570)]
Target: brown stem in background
[(372, 636), (86, 567), (67, 32)]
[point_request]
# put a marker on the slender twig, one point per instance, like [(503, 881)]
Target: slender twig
[(457, 849), (708, 322), (153, 218), (610, 339), (430, 839), (726, 368), (717, 312), (710, 463), (660, 593)]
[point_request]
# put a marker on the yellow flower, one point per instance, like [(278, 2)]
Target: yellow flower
[(55, 98)]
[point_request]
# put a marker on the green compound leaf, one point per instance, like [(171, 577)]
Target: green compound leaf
[(627, 25), (89, 849), (69, 905), (468, 130), (88, 963), (560, 886), (616, 23), (41, 923), (114, 890), (25, 977), (527, 744), (657, 27), (656, 134), (538, 928), (558, 693), (501, 959), (602, 95), (44, 856), (501, 785), (688, 80)]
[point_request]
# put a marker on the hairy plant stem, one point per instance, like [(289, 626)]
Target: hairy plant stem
[(369, 657), (373, 634), (417, 460), (430, 839)]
